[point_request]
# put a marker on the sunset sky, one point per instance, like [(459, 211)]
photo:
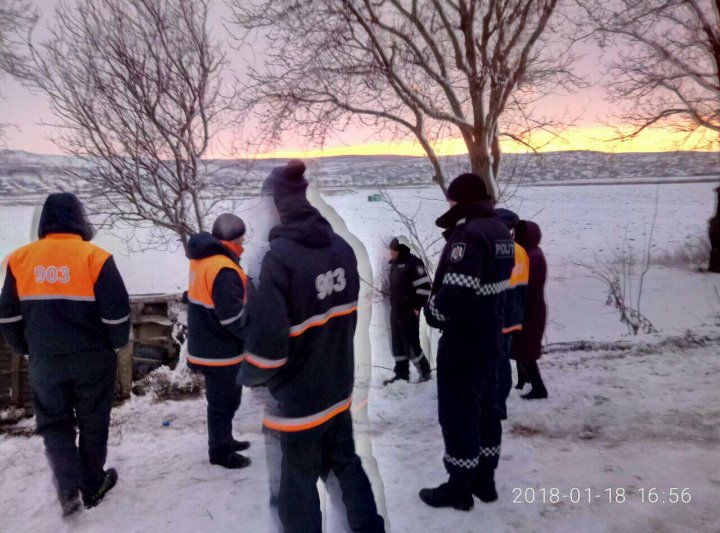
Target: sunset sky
[(26, 113)]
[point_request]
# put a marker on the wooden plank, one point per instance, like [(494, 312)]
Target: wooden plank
[(125, 357)]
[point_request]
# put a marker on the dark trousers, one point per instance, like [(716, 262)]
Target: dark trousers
[(309, 455), (223, 399), (504, 377), (74, 391), (405, 330), (467, 410)]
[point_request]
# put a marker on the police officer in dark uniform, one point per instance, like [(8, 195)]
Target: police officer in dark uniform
[(409, 291), (300, 344), (64, 303), (468, 304), (217, 298)]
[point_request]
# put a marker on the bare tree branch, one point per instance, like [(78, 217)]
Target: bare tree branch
[(135, 89), (668, 68), (17, 18), (428, 69)]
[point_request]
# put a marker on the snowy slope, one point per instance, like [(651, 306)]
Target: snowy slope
[(644, 418)]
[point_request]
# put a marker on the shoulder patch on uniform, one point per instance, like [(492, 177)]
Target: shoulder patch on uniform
[(457, 252), (504, 249)]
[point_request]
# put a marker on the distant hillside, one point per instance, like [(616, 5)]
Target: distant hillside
[(22, 173)]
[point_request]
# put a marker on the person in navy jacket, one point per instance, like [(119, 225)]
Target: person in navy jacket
[(468, 304), (300, 345), (217, 298)]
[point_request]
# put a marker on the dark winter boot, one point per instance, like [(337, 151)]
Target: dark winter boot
[(239, 445), (537, 393), (453, 493), (111, 478), (423, 367), (483, 486), (395, 378), (70, 504), (232, 461)]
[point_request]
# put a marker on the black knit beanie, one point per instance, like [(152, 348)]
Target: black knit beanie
[(228, 227), (509, 218), (467, 188), (290, 187), (400, 245)]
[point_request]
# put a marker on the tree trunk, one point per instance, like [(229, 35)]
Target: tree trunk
[(481, 163), (184, 238)]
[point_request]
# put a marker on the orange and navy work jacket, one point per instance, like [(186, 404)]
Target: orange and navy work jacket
[(217, 299), (516, 295), (300, 338), (61, 295)]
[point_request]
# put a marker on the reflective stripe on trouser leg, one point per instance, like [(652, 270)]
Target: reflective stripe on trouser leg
[(422, 364), (490, 426)]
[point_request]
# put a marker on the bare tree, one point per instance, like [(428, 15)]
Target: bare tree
[(424, 69), (667, 69), (668, 64), (16, 19), (135, 86)]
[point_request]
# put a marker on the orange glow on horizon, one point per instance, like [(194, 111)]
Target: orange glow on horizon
[(598, 138)]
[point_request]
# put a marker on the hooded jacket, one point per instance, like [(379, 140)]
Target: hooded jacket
[(468, 295), (63, 294), (527, 344), (409, 282), (217, 296), (303, 317)]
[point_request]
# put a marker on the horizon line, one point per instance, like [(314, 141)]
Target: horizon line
[(310, 155)]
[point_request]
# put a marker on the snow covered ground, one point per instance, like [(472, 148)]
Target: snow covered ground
[(647, 416)]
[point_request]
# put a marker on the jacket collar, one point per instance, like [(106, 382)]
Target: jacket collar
[(63, 236), (203, 244), (305, 225), (461, 213)]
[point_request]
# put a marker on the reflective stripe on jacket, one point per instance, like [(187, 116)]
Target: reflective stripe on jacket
[(217, 298), (62, 295)]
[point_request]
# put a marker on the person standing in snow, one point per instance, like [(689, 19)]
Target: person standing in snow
[(409, 290), (527, 343), (468, 304), (64, 303), (300, 344), (217, 296), (515, 301)]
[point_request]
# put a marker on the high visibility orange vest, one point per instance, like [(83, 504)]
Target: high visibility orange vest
[(202, 277), (59, 267)]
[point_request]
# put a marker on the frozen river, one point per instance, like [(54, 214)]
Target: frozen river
[(580, 225)]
